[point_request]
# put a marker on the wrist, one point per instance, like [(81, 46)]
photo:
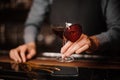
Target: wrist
[(94, 44), (31, 44)]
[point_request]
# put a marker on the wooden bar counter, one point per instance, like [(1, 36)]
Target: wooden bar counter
[(98, 64), (44, 68)]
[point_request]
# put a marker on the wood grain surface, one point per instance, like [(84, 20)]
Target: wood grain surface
[(79, 63)]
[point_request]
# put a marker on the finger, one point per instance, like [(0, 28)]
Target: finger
[(83, 40), (69, 43), (12, 56), (71, 50), (17, 56), (82, 49), (76, 45), (66, 46), (31, 53), (22, 53)]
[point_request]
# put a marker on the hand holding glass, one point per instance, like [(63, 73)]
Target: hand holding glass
[(68, 32)]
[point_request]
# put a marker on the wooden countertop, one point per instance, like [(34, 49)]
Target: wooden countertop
[(80, 63)]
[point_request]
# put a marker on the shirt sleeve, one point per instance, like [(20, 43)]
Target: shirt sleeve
[(35, 19), (112, 15)]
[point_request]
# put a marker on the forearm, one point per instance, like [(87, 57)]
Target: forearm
[(35, 19), (30, 33), (37, 13), (112, 16), (94, 44)]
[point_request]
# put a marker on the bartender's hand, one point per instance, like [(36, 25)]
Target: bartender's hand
[(23, 52), (84, 43)]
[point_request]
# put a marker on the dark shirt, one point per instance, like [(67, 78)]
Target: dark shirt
[(100, 18)]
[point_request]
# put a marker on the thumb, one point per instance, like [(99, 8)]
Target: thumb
[(31, 53)]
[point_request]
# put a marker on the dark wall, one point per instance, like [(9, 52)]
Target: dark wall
[(13, 14)]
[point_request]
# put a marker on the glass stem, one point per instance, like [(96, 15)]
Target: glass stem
[(64, 41)]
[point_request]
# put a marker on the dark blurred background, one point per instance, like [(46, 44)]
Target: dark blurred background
[(13, 14)]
